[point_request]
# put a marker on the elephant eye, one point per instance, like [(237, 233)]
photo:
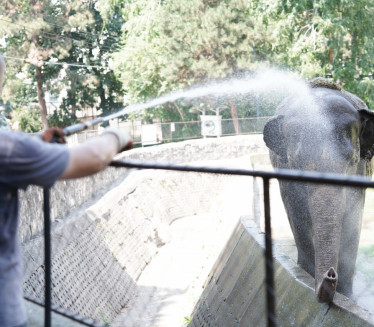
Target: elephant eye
[(347, 140), (352, 132)]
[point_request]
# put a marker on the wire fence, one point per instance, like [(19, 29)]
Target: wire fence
[(159, 132), (266, 176)]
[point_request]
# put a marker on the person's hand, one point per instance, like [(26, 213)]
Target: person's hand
[(53, 134), (125, 141)]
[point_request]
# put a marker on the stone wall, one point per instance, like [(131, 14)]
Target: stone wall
[(107, 228)]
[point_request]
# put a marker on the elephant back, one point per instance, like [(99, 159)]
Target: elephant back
[(325, 83)]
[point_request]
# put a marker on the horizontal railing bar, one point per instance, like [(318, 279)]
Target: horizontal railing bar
[(283, 174)]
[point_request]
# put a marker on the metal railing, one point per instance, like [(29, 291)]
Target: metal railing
[(290, 175)]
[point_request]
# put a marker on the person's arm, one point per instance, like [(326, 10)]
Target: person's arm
[(95, 154)]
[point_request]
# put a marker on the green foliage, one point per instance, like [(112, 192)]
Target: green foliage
[(365, 89), (176, 44), (61, 119), (187, 320), (61, 31), (173, 45), (328, 37), (94, 84), (28, 119), (161, 46)]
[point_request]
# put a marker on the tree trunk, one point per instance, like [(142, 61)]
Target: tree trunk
[(41, 100), (73, 110), (234, 115), (180, 111), (39, 86), (103, 101)]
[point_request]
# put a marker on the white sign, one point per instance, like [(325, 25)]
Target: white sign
[(211, 125), (149, 134)]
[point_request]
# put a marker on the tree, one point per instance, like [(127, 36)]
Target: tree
[(173, 45), (328, 38), (31, 37), (176, 44), (28, 119), (94, 85), (48, 34)]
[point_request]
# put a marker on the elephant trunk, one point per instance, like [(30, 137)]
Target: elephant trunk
[(327, 204), (325, 289)]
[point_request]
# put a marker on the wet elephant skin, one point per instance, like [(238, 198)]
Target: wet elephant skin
[(323, 131)]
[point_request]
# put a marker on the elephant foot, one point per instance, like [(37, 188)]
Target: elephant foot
[(325, 290)]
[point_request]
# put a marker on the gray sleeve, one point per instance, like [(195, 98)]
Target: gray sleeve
[(26, 160)]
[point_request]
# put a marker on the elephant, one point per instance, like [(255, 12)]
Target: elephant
[(325, 129)]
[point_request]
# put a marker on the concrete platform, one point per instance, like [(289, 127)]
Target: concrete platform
[(235, 291)]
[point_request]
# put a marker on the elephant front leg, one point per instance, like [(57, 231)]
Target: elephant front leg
[(294, 196), (350, 238)]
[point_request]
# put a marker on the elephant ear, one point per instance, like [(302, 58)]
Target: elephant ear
[(274, 138), (367, 134)]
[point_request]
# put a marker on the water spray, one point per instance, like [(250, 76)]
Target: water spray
[(261, 84)]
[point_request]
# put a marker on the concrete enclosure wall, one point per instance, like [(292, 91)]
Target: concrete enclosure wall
[(235, 291), (107, 228), (67, 196)]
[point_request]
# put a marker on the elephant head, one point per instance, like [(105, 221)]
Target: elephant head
[(275, 138), (326, 133)]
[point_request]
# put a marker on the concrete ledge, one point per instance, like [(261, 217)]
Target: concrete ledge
[(235, 290)]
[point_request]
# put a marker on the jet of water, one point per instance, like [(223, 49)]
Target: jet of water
[(264, 83)]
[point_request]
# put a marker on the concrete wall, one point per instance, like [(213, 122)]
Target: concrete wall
[(107, 228), (234, 294), (69, 196)]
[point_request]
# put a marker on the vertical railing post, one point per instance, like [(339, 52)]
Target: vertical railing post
[(269, 266), (47, 258)]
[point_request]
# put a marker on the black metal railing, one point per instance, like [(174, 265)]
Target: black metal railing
[(291, 175)]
